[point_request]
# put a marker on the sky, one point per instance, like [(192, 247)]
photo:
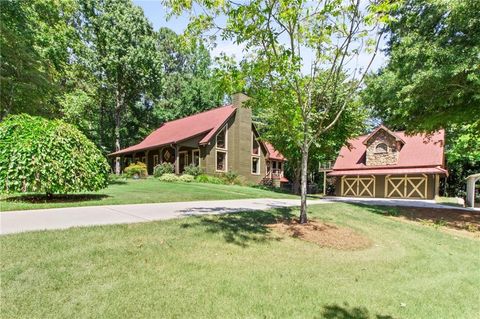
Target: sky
[(157, 15)]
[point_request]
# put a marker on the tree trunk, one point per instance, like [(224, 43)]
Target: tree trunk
[(296, 180), (303, 188), (118, 110)]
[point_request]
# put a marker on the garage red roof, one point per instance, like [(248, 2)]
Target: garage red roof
[(420, 153), (392, 171), (185, 128)]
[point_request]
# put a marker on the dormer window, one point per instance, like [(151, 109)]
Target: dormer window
[(381, 148)]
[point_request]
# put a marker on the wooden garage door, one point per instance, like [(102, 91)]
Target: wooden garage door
[(406, 186), (358, 186)]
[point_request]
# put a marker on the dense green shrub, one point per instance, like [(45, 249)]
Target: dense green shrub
[(163, 168), (48, 156), (229, 177), (186, 178), (138, 170), (204, 178), (193, 170), (168, 177)]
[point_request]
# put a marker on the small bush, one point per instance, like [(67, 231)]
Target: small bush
[(193, 170), (168, 177), (229, 177), (186, 178), (164, 168), (138, 169), (204, 178)]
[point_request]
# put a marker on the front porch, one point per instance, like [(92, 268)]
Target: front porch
[(179, 155)]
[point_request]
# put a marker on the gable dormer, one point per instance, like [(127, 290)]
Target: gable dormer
[(382, 147)]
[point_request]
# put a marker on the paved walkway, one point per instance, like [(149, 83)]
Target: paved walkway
[(61, 218)]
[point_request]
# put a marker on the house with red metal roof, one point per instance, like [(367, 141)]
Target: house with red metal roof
[(219, 140), (391, 165)]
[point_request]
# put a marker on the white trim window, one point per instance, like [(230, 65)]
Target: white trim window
[(144, 160), (196, 157), (255, 165), (255, 145), (221, 140), (221, 161), (155, 160)]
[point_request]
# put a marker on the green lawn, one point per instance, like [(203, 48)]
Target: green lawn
[(233, 266), (143, 191)]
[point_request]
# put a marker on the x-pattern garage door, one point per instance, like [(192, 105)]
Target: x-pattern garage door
[(358, 186), (406, 186)]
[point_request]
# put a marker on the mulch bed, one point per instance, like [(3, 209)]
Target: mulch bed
[(451, 218), (322, 234)]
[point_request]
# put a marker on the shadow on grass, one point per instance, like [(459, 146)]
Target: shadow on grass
[(451, 218), (346, 312), (57, 198), (117, 182), (243, 227)]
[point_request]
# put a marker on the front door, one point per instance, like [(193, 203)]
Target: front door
[(183, 158)]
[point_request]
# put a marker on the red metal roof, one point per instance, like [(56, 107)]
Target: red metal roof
[(392, 171), (185, 128), (208, 123), (419, 151), (273, 154)]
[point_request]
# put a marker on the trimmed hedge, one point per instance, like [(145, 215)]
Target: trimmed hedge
[(48, 156)]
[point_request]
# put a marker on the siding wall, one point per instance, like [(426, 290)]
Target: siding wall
[(239, 152)]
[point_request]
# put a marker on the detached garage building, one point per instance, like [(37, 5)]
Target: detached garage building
[(390, 164)]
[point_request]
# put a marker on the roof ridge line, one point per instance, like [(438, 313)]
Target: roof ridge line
[(186, 117)]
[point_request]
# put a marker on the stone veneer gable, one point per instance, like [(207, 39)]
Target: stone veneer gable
[(382, 159)]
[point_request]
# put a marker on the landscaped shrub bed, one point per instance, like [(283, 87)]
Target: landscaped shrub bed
[(164, 168), (136, 170)]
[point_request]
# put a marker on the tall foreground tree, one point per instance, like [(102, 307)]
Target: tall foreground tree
[(34, 39), (121, 53), (278, 36), (432, 79)]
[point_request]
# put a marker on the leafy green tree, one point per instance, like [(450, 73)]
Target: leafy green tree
[(35, 36), (278, 35), (122, 55), (48, 156), (432, 78)]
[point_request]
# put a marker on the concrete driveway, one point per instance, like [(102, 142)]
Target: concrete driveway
[(61, 218)]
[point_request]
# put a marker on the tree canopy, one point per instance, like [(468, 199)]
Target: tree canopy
[(100, 65), (307, 97), (432, 78)]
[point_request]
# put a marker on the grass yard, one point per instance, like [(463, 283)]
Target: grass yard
[(234, 266), (140, 191)]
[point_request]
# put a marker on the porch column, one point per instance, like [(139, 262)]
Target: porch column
[(324, 183), (146, 159), (117, 165), (437, 185), (177, 160)]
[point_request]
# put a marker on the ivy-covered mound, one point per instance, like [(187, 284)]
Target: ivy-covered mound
[(48, 156)]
